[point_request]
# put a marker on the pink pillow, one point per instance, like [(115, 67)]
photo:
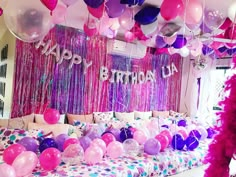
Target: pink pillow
[(40, 119), (88, 118), (21, 122), (161, 114)]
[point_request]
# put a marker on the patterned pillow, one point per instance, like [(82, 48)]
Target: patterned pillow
[(127, 117), (11, 136), (102, 117), (142, 115), (177, 114)]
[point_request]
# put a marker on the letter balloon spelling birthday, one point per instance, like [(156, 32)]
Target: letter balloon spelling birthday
[(27, 20)]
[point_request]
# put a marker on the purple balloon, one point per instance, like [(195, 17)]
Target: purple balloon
[(191, 143), (116, 133), (180, 42), (85, 142), (114, 8), (160, 43), (152, 146), (178, 142), (93, 135), (205, 28), (182, 123), (210, 132), (93, 3), (60, 139), (29, 143), (195, 133)]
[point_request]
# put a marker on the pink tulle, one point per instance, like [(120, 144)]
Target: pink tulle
[(223, 146)]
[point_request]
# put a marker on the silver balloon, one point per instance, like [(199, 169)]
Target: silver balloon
[(28, 20), (131, 147)]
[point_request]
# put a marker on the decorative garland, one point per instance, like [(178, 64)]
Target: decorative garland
[(223, 147)]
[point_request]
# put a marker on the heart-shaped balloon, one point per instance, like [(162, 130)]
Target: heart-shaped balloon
[(50, 4)]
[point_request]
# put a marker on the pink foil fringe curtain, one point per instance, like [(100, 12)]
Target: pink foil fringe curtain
[(40, 82), (223, 146)]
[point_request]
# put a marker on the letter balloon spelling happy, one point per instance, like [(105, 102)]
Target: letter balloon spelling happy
[(64, 55)]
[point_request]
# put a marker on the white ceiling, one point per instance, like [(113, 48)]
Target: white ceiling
[(77, 13)]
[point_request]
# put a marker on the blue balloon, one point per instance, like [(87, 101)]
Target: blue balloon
[(207, 50), (47, 143), (93, 3), (182, 123), (210, 132), (231, 51), (165, 126), (222, 49), (180, 42), (191, 143), (147, 15), (125, 134), (178, 142), (195, 133)]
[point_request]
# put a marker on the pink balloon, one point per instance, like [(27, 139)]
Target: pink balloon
[(7, 170), (168, 134), (129, 36), (126, 19), (69, 2), (58, 15), (93, 155), (184, 133), (11, 152), (96, 12), (50, 158), (115, 149), (89, 31), (171, 9), (193, 12), (108, 138), (51, 116), (140, 137), (25, 163), (50, 4), (170, 40), (99, 143), (69, 142), (163, 139)]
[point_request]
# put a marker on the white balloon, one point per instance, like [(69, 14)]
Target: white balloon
[(149, 30), (27, 20), (184, 52), (232, 12)]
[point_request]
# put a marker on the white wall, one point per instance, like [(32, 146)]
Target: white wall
[(9, 39), (189, 89)]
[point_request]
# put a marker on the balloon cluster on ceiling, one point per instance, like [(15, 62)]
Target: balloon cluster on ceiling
[(161, 27)]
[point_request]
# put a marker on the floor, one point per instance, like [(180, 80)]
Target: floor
[(200, 171)]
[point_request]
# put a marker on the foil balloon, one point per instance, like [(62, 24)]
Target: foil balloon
[(27, 20), (169, 29)]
